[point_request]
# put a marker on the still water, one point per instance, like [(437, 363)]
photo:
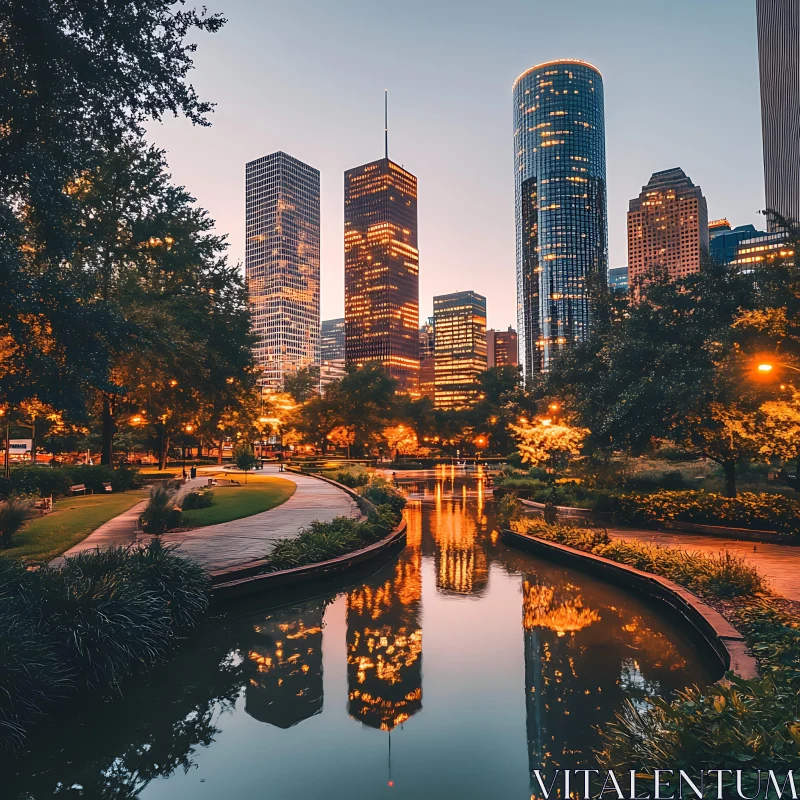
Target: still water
[(448, 673)]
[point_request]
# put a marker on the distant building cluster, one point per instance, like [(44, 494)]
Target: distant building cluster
[(561, 238)]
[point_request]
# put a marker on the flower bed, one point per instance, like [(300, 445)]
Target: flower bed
[(756, 511)]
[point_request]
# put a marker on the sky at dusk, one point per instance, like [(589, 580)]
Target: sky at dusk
[(307, 77)]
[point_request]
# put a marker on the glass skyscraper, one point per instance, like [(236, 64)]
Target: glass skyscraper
[(560, 205), (381, 269), (779, 67), (282, 264)]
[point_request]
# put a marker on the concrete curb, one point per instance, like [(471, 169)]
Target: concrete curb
[(721, 640)]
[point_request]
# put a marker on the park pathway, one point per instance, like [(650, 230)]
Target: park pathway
[(778, 563), (232, 544)]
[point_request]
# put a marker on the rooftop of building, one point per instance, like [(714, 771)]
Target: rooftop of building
[(555, 61), (674, 179)]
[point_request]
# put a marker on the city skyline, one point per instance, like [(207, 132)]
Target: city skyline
[(459, 236)]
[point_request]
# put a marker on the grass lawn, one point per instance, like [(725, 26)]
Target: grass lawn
[(71, 521), (260, 493)]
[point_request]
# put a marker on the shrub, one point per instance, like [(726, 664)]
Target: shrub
[(199, 499), (351, 479), (46, 481), (722, 575), (14, 513), (88, 625), (320, 541), (160, 515), (747, 510), (380, 492)]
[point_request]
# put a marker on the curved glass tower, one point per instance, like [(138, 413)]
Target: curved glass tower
[(560, 184)]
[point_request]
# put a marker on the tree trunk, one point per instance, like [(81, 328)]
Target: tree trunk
[(109, 429), (730, 478), (162, 459), (33, 443), (219, 451)]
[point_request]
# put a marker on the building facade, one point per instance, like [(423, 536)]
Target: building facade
[(382, 269), (501, 348), (560, 206), (427, 352), (779, 67), (724, 241), (618, 279), (667, 227), (460, 348), (763, 248), (332, 351), (282, 264)]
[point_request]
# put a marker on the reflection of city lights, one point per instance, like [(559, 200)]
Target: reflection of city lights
[(542, 610)]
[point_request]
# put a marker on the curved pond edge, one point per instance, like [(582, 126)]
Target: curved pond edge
[(249, 578), (719, 638), (742, 534)]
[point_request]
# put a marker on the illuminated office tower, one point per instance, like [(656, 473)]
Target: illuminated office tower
[(331, 351), (560, 206), (427, 354), (460, 349), (501, 348), (667, 227), (382, 269), (282, 264), (779, 67)]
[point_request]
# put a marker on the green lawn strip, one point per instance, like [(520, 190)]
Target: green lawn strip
[(70, 522), (235, 502)]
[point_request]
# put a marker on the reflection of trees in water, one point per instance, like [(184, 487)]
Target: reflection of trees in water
[(112, 750), (384, 640), (284, 666)]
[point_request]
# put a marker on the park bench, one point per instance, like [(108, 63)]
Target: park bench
[(107, 487), (212, 482), (44, 505), (78, 488)]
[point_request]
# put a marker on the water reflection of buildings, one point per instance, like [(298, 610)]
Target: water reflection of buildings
[(284, 663), (573, 670), (384, 639)]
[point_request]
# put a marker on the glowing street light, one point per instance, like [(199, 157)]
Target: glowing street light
[(765, 367)]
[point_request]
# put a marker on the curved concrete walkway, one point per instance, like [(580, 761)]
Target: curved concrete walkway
[(778, 563), (231, 544)]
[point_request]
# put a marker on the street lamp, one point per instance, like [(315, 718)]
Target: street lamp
[(187, 429)]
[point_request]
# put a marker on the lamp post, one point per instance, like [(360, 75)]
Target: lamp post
[(187, 429)]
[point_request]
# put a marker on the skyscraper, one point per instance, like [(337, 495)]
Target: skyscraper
[(382, 269), (618, 279), (282, 264), (331, 351), (560, 204), (427, 354), (667, 227), (724, 240), (501, 348), (779, 67), (460, 348)]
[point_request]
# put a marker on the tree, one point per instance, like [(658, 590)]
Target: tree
[(541, 442), (303, 384), (342, 436), (401, 439), (244, 458)]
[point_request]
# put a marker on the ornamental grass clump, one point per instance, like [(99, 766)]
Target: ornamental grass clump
[(14, 513), (88, 626), (161, 514), (202, 498)]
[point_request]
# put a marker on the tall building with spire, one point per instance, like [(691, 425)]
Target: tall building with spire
[(560, 204), (779, 67), (282, 264), (381, 272)]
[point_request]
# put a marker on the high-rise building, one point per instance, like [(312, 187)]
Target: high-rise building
[(763, 248), (382, 269), (427, 372), (331, 351), (724, 240), (618, 279), (282, 264), (460, 325), (560, 204), (667, 227), (779, 67), (501, 348)]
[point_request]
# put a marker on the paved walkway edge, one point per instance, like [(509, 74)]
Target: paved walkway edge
[(722, 641), (242, 581)]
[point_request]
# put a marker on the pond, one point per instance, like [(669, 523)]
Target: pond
[(450, 672)]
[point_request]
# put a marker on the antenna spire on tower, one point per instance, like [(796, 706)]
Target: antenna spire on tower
[(386, 122)]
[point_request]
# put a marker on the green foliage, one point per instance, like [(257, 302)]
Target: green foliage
[(718, 575), (161, 514), (244, 458), (14, 513), (87, 626), (351, 478), (301, 385), (380, 492), (203, 498), (46, 481), (747, 510), (746, 725)]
